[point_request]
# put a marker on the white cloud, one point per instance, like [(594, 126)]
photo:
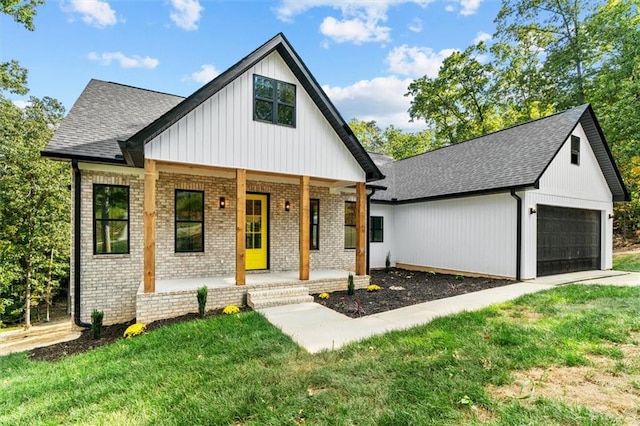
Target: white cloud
[(125, 61), (482, 36), (21, 104), (415, 25), (469, 7), (450, 8), (94, 12), (207, 73), (416, 61), (186, 13), (381, 99), (360, 21), (355, 30)]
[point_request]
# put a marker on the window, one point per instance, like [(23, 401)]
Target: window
[(314, 224), (376, 233), (349, 225), (189, 221), (110, 219), (575, 150), (274, 101)]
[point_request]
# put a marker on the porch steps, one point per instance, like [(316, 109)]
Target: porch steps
[(257, 299), (42, 335)]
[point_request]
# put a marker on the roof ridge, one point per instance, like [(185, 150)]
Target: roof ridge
[(584, 106), (137, 88)]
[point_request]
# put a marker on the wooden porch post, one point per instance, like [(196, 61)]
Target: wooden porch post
[(149, 226), (241, 223), (304, 228), (361, 221)]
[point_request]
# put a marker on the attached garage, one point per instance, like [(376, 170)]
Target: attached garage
[(568, 240)]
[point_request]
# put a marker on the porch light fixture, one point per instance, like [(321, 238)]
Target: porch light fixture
[(532, 211), (610, 215), (222, 202), (287, 206)]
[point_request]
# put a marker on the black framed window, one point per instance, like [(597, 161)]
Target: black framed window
[(575, 150), (189, 233), (274, 101), (376, 230), (349, 225), (110, 219), (314, 224)]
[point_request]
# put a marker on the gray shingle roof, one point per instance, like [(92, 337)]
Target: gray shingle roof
[(103, 114), (508, 159)]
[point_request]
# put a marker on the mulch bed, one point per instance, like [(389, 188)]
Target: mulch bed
[(402, 288), (411, 287)]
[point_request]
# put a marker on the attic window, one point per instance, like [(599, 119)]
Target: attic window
[(274, 101), (575, 150)]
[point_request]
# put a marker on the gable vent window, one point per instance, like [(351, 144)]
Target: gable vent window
[(274, 101), (575, 150)]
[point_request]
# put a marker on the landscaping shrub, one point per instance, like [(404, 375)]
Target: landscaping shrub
[(96, 323), (231, 309), (387, 263), (351, 287), (135, 330), (202, 300)]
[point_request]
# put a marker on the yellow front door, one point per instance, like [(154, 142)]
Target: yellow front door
[(256, 231)]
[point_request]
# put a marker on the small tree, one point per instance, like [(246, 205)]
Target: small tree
[(202, 300), (96, 323), (351, 287)]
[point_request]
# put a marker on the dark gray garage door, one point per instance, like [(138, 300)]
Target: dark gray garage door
[(568, 240)]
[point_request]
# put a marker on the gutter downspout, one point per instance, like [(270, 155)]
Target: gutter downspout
[(518, 234), (77, 181)]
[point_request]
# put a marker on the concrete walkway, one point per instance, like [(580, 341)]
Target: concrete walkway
[(317, 328)]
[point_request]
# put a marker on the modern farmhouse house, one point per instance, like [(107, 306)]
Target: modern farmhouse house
[(255, 184), (532, 200), (254, 172)]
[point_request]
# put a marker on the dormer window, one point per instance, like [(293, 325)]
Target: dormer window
[(274, 101), (575, 150)]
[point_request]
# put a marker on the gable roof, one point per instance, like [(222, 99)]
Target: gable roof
[(510, 159), (104, 113), (133, 147)]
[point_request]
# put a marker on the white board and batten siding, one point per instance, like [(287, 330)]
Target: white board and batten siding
[(378, 251), (472, 234), (221, 132), (564, 184)]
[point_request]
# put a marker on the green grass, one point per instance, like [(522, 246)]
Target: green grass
[(627, 262), (239, 369)]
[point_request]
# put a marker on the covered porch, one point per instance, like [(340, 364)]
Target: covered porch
[(175, 297)]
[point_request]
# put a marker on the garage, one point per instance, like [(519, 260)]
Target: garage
[(568, 240)]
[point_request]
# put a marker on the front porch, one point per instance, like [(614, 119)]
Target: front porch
[(175, 297)]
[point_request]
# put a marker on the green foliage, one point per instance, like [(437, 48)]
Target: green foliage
[(351, 287), (431, 374), (387, 262), (34, 208), (202, 300), (627, 262), (96, 323), (392, 141)]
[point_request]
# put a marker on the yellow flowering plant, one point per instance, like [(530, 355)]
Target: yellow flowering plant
[(374, 287), (231, 309), (323, 295), (135, 330)]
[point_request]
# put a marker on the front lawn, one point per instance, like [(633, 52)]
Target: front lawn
[(496, 366), (627, 262)]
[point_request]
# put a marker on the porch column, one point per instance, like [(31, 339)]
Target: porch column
[(149, 226), (361, 222), (303, 232), (241, 223)]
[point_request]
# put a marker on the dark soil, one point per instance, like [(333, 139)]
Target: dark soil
[(402, 288), (417, 287), (108, 335)]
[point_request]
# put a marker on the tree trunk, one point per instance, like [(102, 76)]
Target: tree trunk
[(27, 294), (48, 290)]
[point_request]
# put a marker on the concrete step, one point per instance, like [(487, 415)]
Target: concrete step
[(32, 342), (38, 330), (257, 299)]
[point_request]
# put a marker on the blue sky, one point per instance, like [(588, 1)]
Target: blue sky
[(363, 53)]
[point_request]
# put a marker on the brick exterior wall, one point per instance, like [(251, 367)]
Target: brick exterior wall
[(110, 283), (155, 306)]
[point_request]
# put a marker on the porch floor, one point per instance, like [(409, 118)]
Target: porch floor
[(252, 278)]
